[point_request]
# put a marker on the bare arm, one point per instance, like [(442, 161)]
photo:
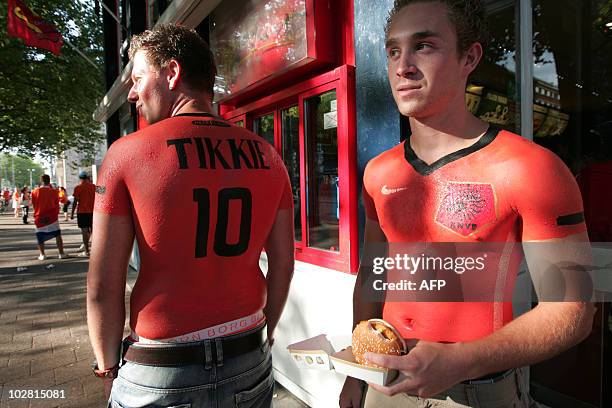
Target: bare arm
[(552, 326), (111, 246), (374, 240), (279, 249), (75, 202)]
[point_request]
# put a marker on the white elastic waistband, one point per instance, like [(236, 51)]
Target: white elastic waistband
[(220, 330)]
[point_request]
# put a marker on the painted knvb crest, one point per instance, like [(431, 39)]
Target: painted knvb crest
[(466, 207)]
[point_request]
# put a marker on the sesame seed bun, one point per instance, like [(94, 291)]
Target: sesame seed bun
[(376, 336)]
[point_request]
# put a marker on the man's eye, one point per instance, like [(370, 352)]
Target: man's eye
[(393, 52), (422, 46)]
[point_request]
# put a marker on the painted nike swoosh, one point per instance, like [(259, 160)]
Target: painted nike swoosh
[(388, 191)]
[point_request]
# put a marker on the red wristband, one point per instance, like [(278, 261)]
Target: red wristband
[(109, 373)]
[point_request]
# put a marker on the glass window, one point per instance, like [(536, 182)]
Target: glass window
[(491, 92), (321, 138), (264, 127), (573, 59), (572, 49), (290, 121), (253, 40), (156, 9), (304, 125)]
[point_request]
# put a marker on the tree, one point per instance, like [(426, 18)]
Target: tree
[(22, 167), (47, 101)]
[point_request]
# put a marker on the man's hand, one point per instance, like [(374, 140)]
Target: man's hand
[(270, 335), (428, 369), (352, 393)]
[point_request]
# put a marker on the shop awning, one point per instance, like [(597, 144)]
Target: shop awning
[(189, 13)]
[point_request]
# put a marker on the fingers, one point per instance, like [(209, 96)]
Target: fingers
[(394, 362), (405, 386)]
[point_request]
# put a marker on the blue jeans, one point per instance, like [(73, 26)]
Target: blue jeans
[(241, 381)]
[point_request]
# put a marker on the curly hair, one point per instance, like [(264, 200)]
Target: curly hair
[(467, 16), (169, 41)]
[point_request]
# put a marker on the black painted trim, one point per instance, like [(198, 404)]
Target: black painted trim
[(570, 219), (425, 169)]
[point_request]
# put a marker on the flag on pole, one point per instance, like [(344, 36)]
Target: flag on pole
[(36, 32)]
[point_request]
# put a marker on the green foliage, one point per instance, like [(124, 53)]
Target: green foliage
[(47, 101), (22, 166)]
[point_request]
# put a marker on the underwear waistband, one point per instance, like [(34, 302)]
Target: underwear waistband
[(223, 329)]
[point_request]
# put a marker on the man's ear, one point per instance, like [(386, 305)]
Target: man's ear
[(472, 57), (174, 74)]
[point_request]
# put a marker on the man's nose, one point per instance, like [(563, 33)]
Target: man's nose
[(132, 95), (405, 67)]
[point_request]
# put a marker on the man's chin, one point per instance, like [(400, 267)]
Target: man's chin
[(410, 112), (151, 120), (415, 110)]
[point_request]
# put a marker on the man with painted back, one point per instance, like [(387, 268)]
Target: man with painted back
[(202, 314)]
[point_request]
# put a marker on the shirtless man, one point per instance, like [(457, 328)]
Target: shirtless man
[(457, 179)]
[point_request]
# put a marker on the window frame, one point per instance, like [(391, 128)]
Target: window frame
[(242, 118), (278, 145), (342, 79), (259, 114)]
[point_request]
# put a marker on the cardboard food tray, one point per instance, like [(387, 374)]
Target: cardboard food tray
[(320, 353), (312, 353)]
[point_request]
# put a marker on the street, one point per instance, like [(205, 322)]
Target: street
[(44, 343)]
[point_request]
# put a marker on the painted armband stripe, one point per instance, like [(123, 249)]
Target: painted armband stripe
[(570, 219)]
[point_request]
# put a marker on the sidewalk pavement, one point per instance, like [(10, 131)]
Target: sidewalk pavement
[(44, 343)]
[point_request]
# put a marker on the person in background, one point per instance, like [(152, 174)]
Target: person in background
[(84, 196), (24, 200), (45, 200), (6, 197), (16, 197), (64, 202)]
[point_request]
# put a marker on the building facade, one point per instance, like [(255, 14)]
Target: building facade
[(309, 76)]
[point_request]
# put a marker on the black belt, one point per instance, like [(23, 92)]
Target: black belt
[(206, 352), (489, 378)]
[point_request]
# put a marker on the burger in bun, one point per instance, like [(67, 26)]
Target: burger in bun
[(376, 336)]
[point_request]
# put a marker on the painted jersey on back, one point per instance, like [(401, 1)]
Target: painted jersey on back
[(86, 194), (503, 189), (46, 205), (203, 195)]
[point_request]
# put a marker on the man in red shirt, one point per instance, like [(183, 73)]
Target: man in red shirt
[(6, 197), (45, 200), (201, 309), (84, 196), (459, 182)]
